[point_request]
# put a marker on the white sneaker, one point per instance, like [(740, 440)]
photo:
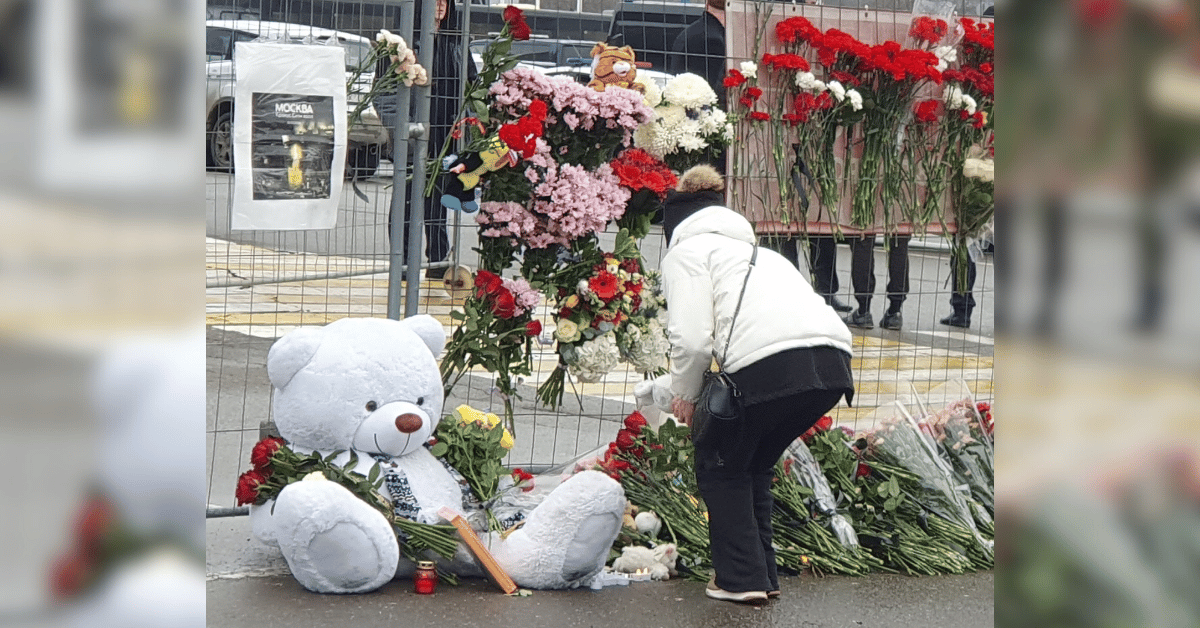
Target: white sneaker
[(744, 597)]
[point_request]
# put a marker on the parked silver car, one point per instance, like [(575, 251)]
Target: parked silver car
[(367, 137)]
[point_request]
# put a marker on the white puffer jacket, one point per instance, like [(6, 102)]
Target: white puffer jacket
[(702, 273)]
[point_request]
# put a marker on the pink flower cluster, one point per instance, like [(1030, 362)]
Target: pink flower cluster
[(569, 202), (576, 105), (525, 296)]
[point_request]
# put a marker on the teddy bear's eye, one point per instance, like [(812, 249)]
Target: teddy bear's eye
[(420, 401), (371, 405)]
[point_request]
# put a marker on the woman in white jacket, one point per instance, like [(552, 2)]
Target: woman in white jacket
[(789, 355)]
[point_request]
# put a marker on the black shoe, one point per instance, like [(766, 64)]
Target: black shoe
[(862, 320), (891, 320), (837, 306), (957, 320), (435, 273)]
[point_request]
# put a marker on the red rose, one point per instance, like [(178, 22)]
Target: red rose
[(69, 575), (505, 305), (824, 423), (487, 284), (93, 522), (533, 328), (515, 19), (760, 116), (787, 465), (247, 487), (260, 456), (566, 312), (635, 422), (604, 285), (512, 14), (625, 439), (862, 471)]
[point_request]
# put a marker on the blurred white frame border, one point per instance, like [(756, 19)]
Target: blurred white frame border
[(118, 82)]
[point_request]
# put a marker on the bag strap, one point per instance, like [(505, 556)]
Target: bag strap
[(724, 354)]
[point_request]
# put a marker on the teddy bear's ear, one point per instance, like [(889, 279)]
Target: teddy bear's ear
[(290, 353), (627, 52), (430, 330), (598, 48)]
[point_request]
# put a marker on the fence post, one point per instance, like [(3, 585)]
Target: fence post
[(416, 224), (396, 221)]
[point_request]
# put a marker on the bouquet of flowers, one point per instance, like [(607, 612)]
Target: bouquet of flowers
[(496, 327), (402, 70), (648, 180), (961, 439), (918, 481), (275, 465), (609, 314), (475, 444), (687, 128)]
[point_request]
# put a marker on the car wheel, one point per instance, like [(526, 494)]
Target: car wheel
[(220, 142), (362, 162)]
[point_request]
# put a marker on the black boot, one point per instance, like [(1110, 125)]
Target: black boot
[(737, 552)]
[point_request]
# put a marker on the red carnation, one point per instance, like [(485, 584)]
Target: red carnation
[(625, 439), (93, 523), (260, 456), (69, 575), (926, 110), (754, 92), (537, 110), (505, 305), (533, 328), (635, 422), (734, 79), (761, 116), (746, 101), (247, 487), (604, 285)]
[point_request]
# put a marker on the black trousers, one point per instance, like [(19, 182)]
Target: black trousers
[(437, 242), (862, 270), (822, 261), (962, 302), (735, 479)]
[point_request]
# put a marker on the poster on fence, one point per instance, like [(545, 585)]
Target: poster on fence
[(289, 136)]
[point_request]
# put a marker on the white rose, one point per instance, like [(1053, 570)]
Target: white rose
[(567, 331), (583, 287), (855, 99), (838, 90), (749, 69)]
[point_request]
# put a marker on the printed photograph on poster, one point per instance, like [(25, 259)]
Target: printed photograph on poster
[(292, 148)]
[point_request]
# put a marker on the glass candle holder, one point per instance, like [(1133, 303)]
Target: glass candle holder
[(425, 579)]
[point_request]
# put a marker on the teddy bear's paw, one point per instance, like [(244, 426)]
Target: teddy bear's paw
[(333, 541), (565, 540)]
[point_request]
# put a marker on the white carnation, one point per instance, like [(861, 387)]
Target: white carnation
[(807, 80), (969, 104), (982, 169), (949, 54), (689, 90), (595, 358), (855, 99), (837, 89), (749, 69), (953, 97)]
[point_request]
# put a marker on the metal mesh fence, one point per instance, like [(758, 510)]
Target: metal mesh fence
[(262, 284)]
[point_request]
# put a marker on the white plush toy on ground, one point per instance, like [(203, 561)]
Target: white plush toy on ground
[(373, 386)]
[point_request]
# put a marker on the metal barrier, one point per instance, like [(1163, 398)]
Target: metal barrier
[(260, 285)]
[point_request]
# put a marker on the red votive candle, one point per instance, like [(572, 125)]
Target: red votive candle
[(425, 579)]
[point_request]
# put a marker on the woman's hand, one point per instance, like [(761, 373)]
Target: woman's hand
[(683, 410)]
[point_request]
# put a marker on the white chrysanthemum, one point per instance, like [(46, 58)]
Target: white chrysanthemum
[(837, 89), (749, 69), (689, 142), (712, 121), (652, 96), (855, 99), (807, 80), (645, 137), (595, 358), (689, 90)]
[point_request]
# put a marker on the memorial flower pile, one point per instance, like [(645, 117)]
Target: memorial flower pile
[(688, 128)]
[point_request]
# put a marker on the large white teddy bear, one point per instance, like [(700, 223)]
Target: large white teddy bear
[(373, 386)]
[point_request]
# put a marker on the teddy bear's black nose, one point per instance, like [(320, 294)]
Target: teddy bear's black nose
[(408, 423)]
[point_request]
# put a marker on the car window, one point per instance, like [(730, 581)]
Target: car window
[(575, 51), (217, 44)]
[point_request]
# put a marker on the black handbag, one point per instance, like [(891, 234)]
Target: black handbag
[(720, 403)]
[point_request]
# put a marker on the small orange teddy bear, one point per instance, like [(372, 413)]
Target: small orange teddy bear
[(613, 66)]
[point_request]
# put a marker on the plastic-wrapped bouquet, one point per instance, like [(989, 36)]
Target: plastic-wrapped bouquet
[(688, 127)]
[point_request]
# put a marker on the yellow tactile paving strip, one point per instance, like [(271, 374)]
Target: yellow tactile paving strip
[(883, 368)]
